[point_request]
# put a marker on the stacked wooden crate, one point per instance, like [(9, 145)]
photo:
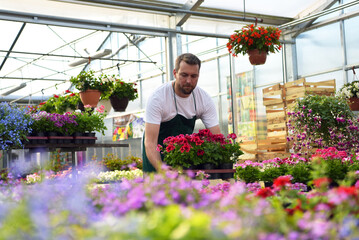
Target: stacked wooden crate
[(298, 88), (275, 145)]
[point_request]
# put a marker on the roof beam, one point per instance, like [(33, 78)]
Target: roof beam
[(191, 5), (12, 45), (316, 15), (325, 4), (163, 9)]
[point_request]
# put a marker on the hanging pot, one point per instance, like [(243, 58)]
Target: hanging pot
[(257, 57), (90, 97), (118, 104), (354, 103)]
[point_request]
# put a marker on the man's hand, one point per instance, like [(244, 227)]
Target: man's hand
[(151, 138)]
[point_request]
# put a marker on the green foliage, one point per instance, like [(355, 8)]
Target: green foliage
[(353, 167), (335, 169), (4, 174), (249, 174), (90, 121), (18, 224), (171, 223), (87, 80), (119, 88), (61, 103), (271, 173), (300, 172), (58, 161), (332, 168), (113, 162)]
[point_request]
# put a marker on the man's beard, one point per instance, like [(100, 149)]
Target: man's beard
[(187, 91)]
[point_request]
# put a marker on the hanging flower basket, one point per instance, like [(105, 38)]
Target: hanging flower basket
[(256, 41), (90, 97), (257, 57), (118, 104)]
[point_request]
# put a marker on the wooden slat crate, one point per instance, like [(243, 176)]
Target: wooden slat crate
[(298, 88), (273, 99), (271, 155)]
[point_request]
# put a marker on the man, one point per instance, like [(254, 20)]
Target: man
[(173, 109)]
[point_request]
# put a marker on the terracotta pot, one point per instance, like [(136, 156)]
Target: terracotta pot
[(119, 104), (354, 103), (90, 97), (257, 57)]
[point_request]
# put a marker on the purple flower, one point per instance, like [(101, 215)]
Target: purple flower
[(160, 198)]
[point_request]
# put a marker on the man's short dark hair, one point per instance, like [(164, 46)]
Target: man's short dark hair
[(188, 58)]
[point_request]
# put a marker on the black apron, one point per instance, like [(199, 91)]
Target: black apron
[(176, 126)]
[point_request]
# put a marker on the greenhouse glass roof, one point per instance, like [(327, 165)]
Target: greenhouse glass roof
[(42, 39)]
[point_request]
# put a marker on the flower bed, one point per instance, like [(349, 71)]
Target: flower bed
[(338, 166), (176, 207)]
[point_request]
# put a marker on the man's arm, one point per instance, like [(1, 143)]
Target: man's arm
[(151, 138), (215, 129)]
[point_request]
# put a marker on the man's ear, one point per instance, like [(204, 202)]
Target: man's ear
[(174, 72)]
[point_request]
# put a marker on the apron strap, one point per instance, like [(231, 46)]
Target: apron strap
[(195, 106), (174, 96)]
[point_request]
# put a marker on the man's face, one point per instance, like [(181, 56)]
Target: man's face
[(186, 78)]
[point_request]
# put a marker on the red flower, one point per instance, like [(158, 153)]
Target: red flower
[(186, 147), (200, 152), (72, 94), (281, 181), (232, 135), (42, 103), (352, 191), (56, 96), (265, 192), (319, 182), (169, 148), (67, 91), (182, 141)]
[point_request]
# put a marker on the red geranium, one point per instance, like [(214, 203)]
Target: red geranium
[(282, 181), (265, 192)]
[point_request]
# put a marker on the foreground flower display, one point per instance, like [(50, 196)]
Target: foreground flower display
[(177, 206)]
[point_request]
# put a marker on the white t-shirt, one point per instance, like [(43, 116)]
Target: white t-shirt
[(161, 106)]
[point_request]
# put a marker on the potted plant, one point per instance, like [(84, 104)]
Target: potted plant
[(119, 92), (350, 91), (14, 126), (256, 41), (90, 87), (61, 103), (248, 174), (330, 163), (198, 149), (90, 121), (112, 162), (317, 121), (54, 125)]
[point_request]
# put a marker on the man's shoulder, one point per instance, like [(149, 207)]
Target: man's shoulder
[(164, 88), (200, 91)]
